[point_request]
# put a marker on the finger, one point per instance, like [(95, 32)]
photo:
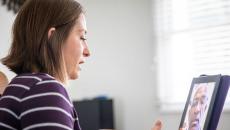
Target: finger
[(157, 125)]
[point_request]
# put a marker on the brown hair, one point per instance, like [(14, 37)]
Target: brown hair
[(31, 49)]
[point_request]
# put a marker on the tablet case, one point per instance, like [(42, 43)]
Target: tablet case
[(217, 100)]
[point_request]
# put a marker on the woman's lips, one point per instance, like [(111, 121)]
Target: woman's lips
[(79, 65), (82, 61)]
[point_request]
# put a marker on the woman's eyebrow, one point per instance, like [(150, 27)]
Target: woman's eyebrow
[(83, 30)]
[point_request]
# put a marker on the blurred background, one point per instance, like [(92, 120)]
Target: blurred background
[(144, 54)]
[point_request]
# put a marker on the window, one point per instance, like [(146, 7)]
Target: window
[(193, 38)]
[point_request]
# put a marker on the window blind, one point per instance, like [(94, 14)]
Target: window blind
[(193, 38)]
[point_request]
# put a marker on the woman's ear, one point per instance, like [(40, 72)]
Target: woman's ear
[(50, 32)]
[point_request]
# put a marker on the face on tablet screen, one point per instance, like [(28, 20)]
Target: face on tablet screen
[(198, 106)]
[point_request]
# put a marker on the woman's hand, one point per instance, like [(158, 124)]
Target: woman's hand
[(157, 125)]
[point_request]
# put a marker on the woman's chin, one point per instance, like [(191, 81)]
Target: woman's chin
[(73, 76)]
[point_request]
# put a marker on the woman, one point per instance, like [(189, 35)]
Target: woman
[(49, 44)]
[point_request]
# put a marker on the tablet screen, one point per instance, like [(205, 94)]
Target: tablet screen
[(198, 106)]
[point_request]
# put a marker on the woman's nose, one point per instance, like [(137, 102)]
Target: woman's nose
[(86, 51)]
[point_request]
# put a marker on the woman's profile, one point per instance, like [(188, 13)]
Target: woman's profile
[(48, 46)]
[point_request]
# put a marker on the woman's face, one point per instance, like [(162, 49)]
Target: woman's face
[(75, 49)]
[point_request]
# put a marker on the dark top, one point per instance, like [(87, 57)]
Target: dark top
[(37, 102)]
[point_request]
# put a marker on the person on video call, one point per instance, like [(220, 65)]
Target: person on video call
[(198, 106)]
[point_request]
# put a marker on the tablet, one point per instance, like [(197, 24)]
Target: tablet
[(204, 103)]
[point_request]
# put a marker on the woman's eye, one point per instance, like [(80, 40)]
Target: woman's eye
[(82, 38)]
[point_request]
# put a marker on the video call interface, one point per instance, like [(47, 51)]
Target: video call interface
[(198, 105)]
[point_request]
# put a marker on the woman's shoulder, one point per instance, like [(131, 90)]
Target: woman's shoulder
[(45, 87), (29, 84), (42, 82), (34, 76)]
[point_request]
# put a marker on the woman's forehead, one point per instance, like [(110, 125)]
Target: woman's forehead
[(81, 24)]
